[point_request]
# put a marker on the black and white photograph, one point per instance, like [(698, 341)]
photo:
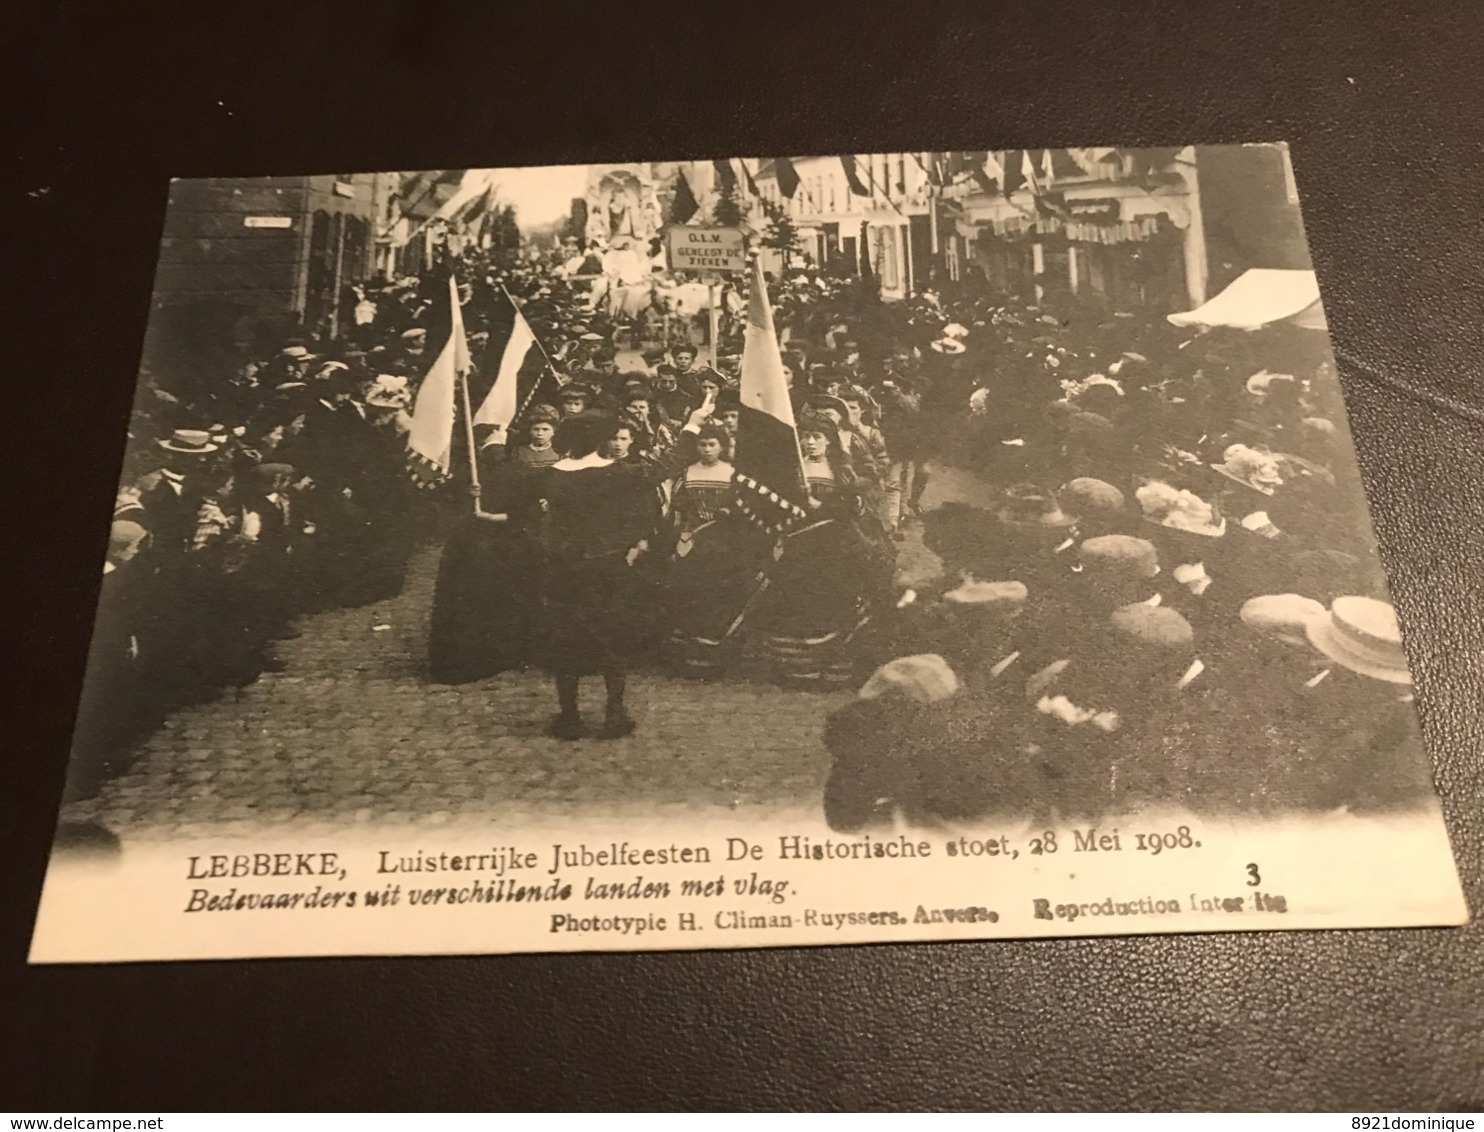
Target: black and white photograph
[(739, 552)]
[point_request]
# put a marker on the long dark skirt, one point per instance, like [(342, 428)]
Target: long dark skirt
[(598, 616), (706, 590), (486, 589), (821, 594)]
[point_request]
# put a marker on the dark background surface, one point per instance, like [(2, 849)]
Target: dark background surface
[(1385, 111)]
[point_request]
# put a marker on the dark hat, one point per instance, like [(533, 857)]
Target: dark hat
[(666, 370), (635, 390), (575, 389), (272, 471), (818, 402), (817, 422), (727, 400), (543, 414)]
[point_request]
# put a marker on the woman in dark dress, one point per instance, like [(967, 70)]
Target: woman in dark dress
[(830, 575), (486, 580), (596, 613), (713, 555)]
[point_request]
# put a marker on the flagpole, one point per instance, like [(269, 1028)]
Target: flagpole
[(714, 319), (469, 436)]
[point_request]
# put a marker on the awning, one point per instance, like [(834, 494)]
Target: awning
[(1261, 297)]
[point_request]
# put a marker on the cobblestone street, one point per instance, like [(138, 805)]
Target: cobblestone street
[(353, 733)]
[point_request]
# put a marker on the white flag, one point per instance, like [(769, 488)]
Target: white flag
[(430, 440)]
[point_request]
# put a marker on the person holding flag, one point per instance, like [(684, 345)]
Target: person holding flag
[(481, 617), (797, 483)]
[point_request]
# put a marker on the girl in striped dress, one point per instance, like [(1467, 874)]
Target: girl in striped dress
[(712, 561)]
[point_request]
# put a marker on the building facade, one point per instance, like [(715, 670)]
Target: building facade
[(1160, 228), (891, 222), (250, 260)]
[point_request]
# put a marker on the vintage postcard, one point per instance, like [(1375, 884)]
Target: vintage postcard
[(740, 552)]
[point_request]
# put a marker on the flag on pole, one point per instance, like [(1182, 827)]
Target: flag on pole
[(747, 176), (986, 171), (1014, 166), (770, 469), (852, 177), (430, 440), (685, 205), (520, 373), (419, 188), (472, 213), (726, 176), (788, 176)]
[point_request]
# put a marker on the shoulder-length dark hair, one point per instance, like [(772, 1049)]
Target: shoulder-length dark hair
[(838, 459), (585, 433)]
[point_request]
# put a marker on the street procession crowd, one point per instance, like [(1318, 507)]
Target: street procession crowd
[(1172, 595)]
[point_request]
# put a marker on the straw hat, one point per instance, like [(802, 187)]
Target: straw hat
[(1176, 510), (194, 442), (925, 678), (124, 536), (1250, 467), (388, 391), (1284, 616), (1362, 634)]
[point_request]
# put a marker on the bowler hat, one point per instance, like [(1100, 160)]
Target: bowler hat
[(925, 678), (1085, 496), (1154, 625), (1120, 554)]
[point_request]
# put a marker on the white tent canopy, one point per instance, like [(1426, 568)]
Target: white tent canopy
[(1261, 297)]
